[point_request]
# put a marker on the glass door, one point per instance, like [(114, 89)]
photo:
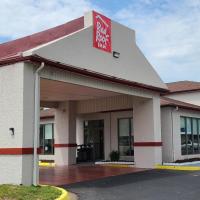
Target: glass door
[(47, 139), (94, 136)]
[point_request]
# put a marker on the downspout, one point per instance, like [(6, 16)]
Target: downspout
[(36, 123), (172, 122)]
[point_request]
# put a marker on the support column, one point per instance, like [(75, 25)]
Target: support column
[(65, 133), (16, 124), (147, 133)]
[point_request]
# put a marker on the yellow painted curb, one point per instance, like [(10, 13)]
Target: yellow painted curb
[(182, 168), (46, 164), (63, 196)]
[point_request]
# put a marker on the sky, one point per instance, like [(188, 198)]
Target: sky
[(167, 31)]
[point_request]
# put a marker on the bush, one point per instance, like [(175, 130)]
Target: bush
[(114, 156)]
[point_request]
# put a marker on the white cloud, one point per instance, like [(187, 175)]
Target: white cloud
[(167, 31), (23, 17), (169, 35)]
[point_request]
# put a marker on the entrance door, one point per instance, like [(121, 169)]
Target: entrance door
[(94, 136)]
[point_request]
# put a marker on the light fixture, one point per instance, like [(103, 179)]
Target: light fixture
[(12, 131), (116, 54)]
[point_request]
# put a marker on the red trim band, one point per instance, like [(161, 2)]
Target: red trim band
[(147, 144), (18, 151), (64, 145)]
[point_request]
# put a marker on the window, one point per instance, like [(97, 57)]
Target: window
[(125, 138), (190, 130), (46, 139), (183, 136), (189, 135), (195, 136)]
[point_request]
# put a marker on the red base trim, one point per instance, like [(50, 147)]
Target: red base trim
[(64, 145), (18, 151), (147, 144)]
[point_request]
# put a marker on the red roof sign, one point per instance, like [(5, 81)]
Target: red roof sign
[(101, 32)]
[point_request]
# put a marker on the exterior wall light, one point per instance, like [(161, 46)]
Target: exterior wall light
[(116, 54), (12, 131)]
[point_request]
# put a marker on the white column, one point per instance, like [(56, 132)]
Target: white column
[(65, 133), (79, 130), (147, 133), (17, 112)]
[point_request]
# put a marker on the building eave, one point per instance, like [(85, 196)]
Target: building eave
[(85, 72), (175, 103)]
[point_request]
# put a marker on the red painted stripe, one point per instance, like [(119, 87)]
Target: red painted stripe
[(18, 151), (64, 145), (147, 144)]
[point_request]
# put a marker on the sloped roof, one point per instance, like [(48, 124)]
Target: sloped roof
[(165, 101), (18, 46), (183, 86)]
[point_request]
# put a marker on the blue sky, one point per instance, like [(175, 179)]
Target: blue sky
[(167, 32)]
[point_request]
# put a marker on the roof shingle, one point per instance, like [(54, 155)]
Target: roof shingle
[(183, 86), (20, 45)]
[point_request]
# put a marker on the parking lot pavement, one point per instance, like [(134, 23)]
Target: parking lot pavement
[(147, 185)]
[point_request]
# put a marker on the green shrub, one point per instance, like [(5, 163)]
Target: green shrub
[(114, 156)]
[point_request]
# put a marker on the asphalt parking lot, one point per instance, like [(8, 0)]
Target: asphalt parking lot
[(147, 185)]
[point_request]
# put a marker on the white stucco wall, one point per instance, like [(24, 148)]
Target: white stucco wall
[(105, 104), (17, 111), (65, 133), (147, 129), (188, 97), (171, 135), (166, 132)]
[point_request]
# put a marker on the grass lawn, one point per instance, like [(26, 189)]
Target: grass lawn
[(16, 192)]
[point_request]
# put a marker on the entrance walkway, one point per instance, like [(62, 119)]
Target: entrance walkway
[(64, 175)]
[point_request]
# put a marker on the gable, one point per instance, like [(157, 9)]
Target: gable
[(77, 50)]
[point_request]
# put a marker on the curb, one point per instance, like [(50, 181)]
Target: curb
[(63, 196), (46, 164), (183, 164), (116, 165), (181, 168)]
